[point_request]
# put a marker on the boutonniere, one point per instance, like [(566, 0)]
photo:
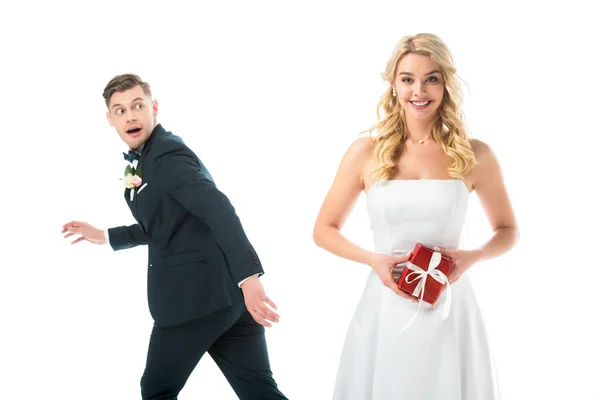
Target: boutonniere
[(131, 179)]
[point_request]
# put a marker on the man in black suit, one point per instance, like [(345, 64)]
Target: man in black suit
[(203, 288)]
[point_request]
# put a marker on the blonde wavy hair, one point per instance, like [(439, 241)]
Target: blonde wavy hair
[(448, 129)]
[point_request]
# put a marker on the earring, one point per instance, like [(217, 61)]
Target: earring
[(393, 92)]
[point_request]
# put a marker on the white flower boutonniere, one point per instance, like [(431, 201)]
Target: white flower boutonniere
[(132, 180)]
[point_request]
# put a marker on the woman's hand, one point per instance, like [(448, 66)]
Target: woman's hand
[(383, 264), (463, 260)]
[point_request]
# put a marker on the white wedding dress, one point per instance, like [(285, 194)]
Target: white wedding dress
[(433, 359)]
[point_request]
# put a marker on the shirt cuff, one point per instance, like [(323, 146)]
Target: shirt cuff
[(240, 284), (106, 237)]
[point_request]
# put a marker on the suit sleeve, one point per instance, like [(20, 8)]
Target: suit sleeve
[(125, 237), (181, 175)]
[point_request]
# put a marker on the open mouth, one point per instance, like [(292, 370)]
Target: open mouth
[(421, 105), (133, 131)]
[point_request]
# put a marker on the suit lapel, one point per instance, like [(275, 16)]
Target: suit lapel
[(157, 133)]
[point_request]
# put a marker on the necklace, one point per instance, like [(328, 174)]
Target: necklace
[(421, 141)]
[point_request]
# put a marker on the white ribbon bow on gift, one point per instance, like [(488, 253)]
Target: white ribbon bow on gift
[(421, 275)]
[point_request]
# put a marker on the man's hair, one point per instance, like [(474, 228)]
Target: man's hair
[(121, 83)]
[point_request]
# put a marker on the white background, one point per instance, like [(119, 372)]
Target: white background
[(270, 95)]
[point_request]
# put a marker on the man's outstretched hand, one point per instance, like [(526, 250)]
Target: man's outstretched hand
[(87, 232)]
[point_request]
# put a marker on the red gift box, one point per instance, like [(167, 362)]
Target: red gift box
[(423, 272)]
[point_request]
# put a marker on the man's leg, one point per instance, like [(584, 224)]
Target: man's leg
[(241, 354), (174, 352)]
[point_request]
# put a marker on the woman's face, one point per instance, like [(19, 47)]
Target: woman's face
[(419, 86)]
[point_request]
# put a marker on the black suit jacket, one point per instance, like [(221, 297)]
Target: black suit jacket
[(197, 248)]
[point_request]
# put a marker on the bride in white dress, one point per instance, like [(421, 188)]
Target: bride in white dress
[(418, 169)]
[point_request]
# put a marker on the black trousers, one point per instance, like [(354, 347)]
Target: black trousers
[(232, 338)]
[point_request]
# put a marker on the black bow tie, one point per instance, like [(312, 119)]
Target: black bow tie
[(131, 155)]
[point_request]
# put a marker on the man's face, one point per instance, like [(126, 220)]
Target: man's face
[(133, 114)]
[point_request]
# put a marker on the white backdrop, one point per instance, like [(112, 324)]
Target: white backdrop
[(270, 94)]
